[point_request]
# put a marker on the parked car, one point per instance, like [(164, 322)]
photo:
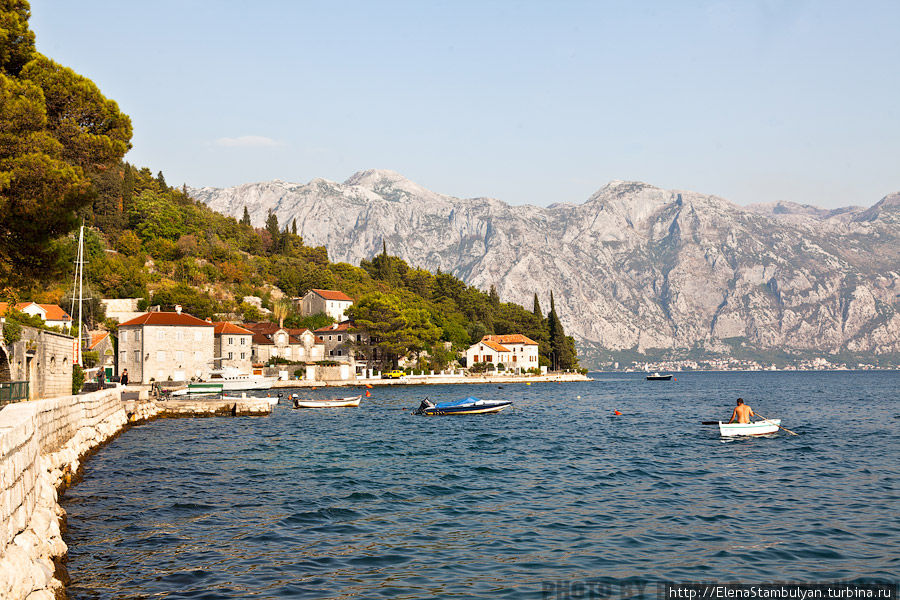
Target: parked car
[(395, 374)]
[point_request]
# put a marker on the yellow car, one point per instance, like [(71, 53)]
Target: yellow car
[(395, 374)]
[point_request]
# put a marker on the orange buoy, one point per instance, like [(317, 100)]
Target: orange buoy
[(368, 394), (615, 412), (674, 379), (369, 386)]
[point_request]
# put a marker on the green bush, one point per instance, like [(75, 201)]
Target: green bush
[(12, 332), (77, 378)]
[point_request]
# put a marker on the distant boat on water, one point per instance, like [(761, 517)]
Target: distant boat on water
[(658, 377)]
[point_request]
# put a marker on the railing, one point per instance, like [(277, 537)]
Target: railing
[(13, 391)]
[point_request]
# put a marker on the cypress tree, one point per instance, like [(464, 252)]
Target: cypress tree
[(161, 182), (294, 227), (245, 220), (537, 308)]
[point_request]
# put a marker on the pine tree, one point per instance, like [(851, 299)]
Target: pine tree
[(161, 182), (245, 220), (294, 227), (273, 229), (537, 308), (493, 296)]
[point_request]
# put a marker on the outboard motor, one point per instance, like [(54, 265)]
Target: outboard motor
[(425, 405)]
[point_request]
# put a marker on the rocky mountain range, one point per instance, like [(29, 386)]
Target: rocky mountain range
[(635, 268)]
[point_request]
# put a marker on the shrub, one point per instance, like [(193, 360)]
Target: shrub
[(77, 379), (12, 332)]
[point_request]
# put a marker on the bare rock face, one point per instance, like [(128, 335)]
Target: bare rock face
[(635, 267)]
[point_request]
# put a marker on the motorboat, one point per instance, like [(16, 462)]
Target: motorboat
[(466, 406), (658, 377), (233, 380)]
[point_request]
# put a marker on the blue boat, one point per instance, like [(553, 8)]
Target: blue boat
[(466, 406)]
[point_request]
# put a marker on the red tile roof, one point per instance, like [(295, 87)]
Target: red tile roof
[(167, 318), (224, 327), (342, 326), (494, 345), (333, 295), (96, 338), (515, 338)]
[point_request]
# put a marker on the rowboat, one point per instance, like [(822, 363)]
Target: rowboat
[(658, 377), (764, 427), (335, 402), (466, 406)]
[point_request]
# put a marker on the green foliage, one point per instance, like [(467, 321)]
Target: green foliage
[(57, 135), (90, 358), (77, 379), (12, 331), (313, 322)]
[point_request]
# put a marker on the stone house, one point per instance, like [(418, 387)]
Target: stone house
[(51, 314), (332, 303), (515, 352), (166, 346), (41, 358), (102, 343), (296, 345), (233, 346)]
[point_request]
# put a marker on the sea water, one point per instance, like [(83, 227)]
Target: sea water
[(551, 498)]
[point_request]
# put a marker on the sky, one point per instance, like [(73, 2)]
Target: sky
[(527, 102)]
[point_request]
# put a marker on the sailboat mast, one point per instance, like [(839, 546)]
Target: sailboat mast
[(80, 269)]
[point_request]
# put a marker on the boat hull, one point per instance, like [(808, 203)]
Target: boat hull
[(740, 429), (659, 377), (467, 410), (338, 402)]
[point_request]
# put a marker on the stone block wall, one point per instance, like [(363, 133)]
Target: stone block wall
[(44, 358), (41, 444)]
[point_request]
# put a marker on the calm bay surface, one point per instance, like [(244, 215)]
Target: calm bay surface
[(373, 502)]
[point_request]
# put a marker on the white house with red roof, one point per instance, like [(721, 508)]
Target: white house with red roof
[(330, 302), (52, 314), (515, 352), (233, 346), (166, 346)]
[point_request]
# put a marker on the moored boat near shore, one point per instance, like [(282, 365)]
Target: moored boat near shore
[(466, 406), (334, 402), (658, 377)]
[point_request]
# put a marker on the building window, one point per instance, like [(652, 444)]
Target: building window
[(179, 335), (475, 358), (358, 337), (137, 335), (196, 355), (287, 352), (231, 341), (137, 357), (489, 358), (243, 341), (161, 355), (230, 355), (339, 338), (243, 355), (329, 338), (179, 356), (339, 352), (160, 334), (123, 356), (123, 336)]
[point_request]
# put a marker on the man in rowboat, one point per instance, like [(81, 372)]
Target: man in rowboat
[(742, 412)]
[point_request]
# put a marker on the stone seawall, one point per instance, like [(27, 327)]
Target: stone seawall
[(41, 446)]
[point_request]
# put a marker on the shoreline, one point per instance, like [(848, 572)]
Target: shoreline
[(435, 380)]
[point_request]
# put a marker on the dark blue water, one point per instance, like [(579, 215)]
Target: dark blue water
[(374, 502)]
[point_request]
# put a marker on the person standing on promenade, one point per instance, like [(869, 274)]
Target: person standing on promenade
[(742, 412), (123, 378)]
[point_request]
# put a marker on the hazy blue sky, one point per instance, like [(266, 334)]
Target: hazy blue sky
[(528, 102)]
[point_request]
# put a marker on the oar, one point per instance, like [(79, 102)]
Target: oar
[(709, 422), (775, 424)]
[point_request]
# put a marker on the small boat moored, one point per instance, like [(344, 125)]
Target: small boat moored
[(334, 402), (466, 406), (658, 377), (764, 427)]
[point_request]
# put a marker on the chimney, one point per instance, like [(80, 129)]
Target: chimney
[(178, 308)]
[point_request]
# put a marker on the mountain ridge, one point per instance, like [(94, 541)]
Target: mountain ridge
[(633, 267)]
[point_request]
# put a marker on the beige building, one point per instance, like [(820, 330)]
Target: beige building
[(296, 345), (121, 309), (332, 303), (515, 352), (166, 346), (233, 347), (102, 344)]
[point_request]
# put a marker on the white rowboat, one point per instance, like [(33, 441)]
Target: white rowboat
[(764, 427), (349, 401)]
